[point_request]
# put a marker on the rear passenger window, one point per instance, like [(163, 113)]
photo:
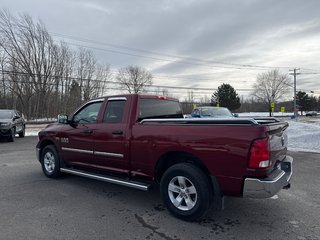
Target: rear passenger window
[(156, 108), (114, 111)]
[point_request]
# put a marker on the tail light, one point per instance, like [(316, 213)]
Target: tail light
[(260, 154), (162, 97)]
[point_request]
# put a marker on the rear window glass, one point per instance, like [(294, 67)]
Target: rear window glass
[(216, 112), (158, 108), (114, 112)]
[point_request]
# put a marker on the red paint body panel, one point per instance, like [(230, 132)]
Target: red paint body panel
[(223, 149)]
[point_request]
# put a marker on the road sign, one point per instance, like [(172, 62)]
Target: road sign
[(272, 104)]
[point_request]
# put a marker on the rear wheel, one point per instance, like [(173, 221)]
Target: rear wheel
[(186, 191), (23, 131), (50, 162)]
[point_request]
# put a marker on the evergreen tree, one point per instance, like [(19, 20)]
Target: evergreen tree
[(313, 103), (303, 101), (227, 97)]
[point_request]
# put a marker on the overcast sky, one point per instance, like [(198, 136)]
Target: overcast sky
[(191, 43)]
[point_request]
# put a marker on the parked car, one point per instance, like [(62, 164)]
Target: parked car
[(311, 114), (141, 140), (212, 112), (11, 123)]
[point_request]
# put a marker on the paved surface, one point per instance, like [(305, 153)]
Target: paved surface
[(35, 207)]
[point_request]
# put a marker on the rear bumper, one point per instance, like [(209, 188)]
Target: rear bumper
[(268, 187)]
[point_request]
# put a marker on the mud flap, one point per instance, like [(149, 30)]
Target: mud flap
[(218, 197)]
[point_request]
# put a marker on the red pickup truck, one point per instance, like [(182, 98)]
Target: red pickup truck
[(140, 140)]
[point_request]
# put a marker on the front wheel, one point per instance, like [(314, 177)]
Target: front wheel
[(50, 162), (186, 191), (12, 135)]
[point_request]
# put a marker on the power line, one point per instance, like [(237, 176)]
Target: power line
[(187, 60), (191, 76), (309, 69), (304, 73), (181, 76), (113, 82), (158, 59)]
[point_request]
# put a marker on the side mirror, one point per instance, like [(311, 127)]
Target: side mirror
[(62, 118), (15, 118), (236, 115)]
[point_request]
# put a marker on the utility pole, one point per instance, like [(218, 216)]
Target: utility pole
[(294, 91)]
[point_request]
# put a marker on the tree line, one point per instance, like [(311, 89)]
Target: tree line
[(270, 88), (306, 102), (42, 78)]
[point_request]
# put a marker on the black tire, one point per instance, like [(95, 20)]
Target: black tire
[(23, 132), (12, 135), (50, 162), (187, 184)]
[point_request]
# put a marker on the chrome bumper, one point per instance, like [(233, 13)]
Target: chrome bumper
[(268, 187)]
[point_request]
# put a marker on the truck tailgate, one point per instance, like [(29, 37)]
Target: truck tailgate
[(278, 142), (278, 139), (279, 172)]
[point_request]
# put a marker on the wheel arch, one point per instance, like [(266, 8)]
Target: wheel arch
[(171, 158), (41, 145)]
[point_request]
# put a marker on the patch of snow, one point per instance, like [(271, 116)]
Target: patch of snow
[(42, 120), (304, 136), (265, 114), (33, 129), (32, 133), (275, 197)]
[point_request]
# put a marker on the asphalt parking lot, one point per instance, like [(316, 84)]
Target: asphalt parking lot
[(35, 207)]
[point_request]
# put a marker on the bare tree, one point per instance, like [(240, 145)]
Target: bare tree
[(102, 76), (3, 84), (67, 77), (271, 87), (42, 78), (85, 72), (92, 77), (190, 97), (31, 51), (134, 78), (61, 76)]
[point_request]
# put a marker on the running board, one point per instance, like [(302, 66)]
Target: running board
[(119, 181)]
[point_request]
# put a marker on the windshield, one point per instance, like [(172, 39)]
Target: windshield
[(215, 112), (5, 114)]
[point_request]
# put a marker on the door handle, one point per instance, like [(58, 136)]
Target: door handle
[(88, 131), (117, 132)]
